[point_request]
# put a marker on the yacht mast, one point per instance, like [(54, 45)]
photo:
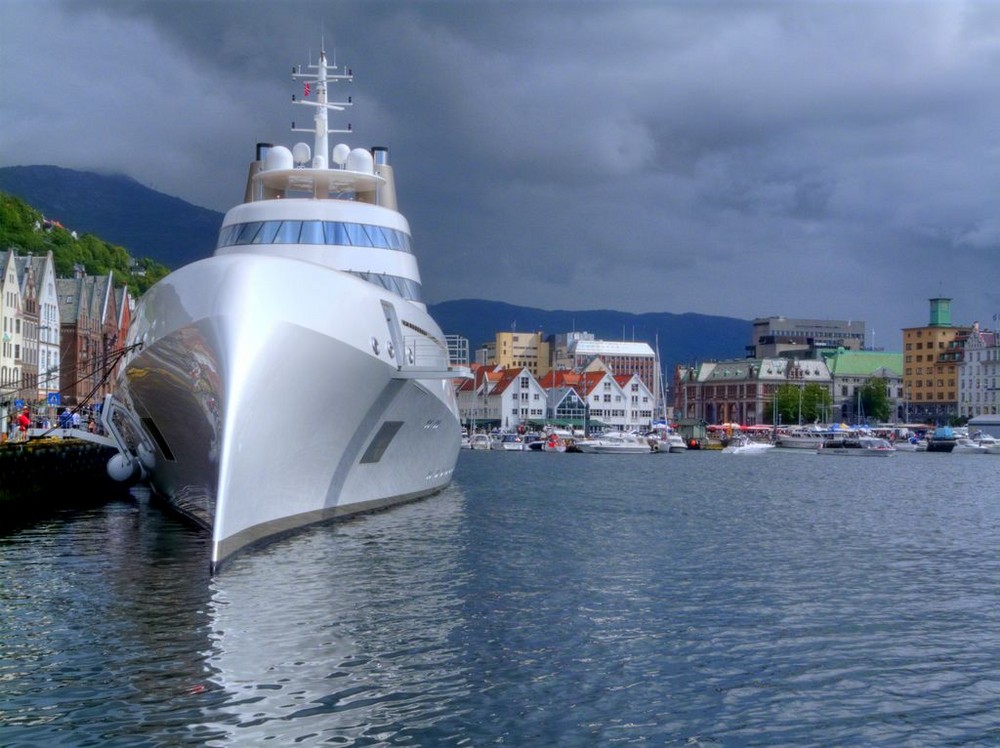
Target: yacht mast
[(325, 74)]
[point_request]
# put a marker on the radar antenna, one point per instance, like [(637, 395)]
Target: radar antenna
[(324, 75)]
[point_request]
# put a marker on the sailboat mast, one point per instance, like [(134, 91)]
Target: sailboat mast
[(659, 397)]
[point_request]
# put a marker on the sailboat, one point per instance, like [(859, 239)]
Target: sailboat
[(668, 440)]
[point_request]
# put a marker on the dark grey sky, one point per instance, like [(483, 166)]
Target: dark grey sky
[(812, 159)]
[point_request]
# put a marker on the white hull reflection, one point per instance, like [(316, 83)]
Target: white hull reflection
[(368, 646)]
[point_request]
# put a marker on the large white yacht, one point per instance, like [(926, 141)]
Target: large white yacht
[(295, 375)]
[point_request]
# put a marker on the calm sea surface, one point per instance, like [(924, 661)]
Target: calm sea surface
[(543, 600)]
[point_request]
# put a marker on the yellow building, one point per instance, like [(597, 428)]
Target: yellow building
[(517, 349), (931, 357)]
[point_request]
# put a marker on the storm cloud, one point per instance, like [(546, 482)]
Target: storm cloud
[(808, 159)]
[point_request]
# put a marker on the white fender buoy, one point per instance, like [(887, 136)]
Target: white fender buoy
[(146, 457), (122, 468)]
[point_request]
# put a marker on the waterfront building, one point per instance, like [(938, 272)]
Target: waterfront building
[(618, 357), (564, 407), (12, 386), (741, 390), (89, 336), (561, 347), (499, 398), (803, 338), (124, 303), (48, 325), (931, 357), (619, 402), (639, 401), (473, 397), (850, 370), (28, 317), (516, 349), (979, 374), (565, 404), (517, 398), (29, 355), (572, 361)]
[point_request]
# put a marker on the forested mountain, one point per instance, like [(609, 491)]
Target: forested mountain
[(26, 230), (119, 210)]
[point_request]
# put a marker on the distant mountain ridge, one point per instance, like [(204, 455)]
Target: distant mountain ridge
[(173, 232), (682, 338), (118, 209)]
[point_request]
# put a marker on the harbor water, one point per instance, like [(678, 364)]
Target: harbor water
[(544, 599)]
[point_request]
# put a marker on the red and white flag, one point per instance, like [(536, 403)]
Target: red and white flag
[(305, 90)]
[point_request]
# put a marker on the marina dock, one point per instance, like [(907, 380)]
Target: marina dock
[(62, 468)]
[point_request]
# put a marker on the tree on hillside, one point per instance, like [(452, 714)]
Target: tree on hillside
[(26, 231)]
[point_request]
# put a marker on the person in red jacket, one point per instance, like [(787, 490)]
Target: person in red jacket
[(23, 423)]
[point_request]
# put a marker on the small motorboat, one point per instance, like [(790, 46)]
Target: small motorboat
[(742, 445), (968, 446), (555, 443), (615, 443), (913, 444), (863, 446)]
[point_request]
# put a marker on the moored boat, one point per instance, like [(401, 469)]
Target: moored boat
[(666, 439), (480, 441), (675, 443), (861, 446), (508, 443), (912, 444), (615, 443), (942, 439), (557, 440), (310, 302), (744, 445), (800, 438), (966, 445)]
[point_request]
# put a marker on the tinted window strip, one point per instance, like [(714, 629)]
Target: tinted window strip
[(314, 232)]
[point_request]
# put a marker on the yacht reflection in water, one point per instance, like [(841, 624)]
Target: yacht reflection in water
[(342, 632)]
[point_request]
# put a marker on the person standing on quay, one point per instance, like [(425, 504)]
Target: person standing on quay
[(23, 423)]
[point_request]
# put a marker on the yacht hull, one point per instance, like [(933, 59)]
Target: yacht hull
[(270, 391)]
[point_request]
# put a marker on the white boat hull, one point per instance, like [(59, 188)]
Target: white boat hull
[(752, 448), (259, 382), (597, 446), (968, 446), (799, 442), (844, 451), (677, 445)]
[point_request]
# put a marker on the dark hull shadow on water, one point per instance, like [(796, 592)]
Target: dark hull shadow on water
[(543, 599)]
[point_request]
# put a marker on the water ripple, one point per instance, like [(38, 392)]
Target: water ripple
[(542, 600)]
